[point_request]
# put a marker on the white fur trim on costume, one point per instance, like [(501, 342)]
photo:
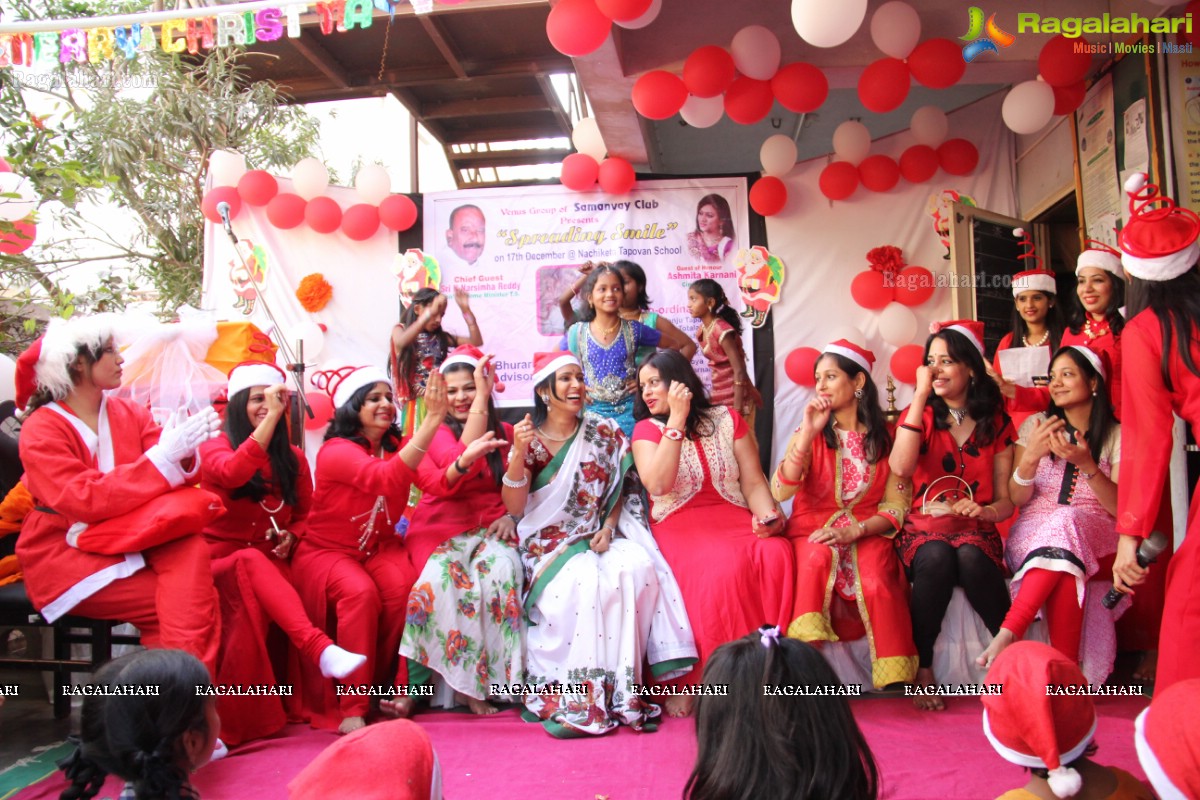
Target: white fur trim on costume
[(247, 375), (90, 585), (1092, 358), (363, 376), (1024, 760), (1157, 776), (1041, 282), (61, 344), (967, 333), (459, 358), (1163, 268), (554, 366), (1102, 259), (850, 354)]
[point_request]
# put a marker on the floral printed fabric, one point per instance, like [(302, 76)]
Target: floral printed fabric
[(855, 476)]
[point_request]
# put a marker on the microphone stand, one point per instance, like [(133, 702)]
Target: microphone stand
[(294, 358)]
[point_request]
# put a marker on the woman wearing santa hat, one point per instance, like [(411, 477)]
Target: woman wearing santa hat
[(1168, 741), (265, 485), (1095, 321), (846, 510), (955, 444), (350, 559), (464, 543), (91, 459), (1162, 377), (600, 597)]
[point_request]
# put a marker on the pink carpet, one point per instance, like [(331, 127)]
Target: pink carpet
[(920, 756)]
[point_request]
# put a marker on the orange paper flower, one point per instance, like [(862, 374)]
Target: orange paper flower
[(314, 292)]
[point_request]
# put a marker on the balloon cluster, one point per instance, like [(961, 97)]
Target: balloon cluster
[(582, 170), (577, 28), (17, 204), (1059, 89), (896, 30), (236, 186)]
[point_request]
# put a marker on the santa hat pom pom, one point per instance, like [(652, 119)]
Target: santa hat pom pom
[(934, 327), (1018, 232), (1135, 183), (1064, 782)]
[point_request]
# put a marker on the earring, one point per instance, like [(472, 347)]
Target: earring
[(858, 393)]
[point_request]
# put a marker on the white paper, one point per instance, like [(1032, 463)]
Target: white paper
[(1137, 147), (1022, 364)]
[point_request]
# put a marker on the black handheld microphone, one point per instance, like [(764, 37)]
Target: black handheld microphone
[(1148, 551), (223, 211)]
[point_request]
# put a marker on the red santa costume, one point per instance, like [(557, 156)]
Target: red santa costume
[(80, 477), (1159, 244), (1168, 741)]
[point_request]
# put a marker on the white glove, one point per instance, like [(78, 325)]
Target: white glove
[(180, 439)]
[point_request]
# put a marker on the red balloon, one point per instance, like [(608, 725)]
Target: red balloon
[(839, 180), (870, 290), (1068, 98), (879, 173), (323, 214), (623, 10), (799, 87), (800, 365), (616, 175), (577, 28), (398, 212), (257, 187), (914, 285), (905, 361), (658, 94), (221, 194), (322, 408), (708, 71), (20, 239), (937, 63), (579, 172), (5, 166), (286, 210), (883, 85), (747, 101), (958, 156), (918, 163), (1060, 65), (768, 196), (360, 222)]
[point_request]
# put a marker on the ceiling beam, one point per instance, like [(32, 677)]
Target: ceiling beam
[(507, 158), (484, 134), (555, 103), (486, 106), (308, 46), (438, 36)]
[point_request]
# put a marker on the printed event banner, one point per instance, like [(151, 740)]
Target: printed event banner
[(516, 250)]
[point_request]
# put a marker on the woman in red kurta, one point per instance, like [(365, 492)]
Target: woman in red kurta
[(350, 561), (846, 508), (712, 513), (1162, 376), (266, 487)]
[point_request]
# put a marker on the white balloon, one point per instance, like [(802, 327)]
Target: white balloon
[(755, 52), (895, 28), (226, 167), (897, 324), (703, 112), (852, 141), (373, 184), (313, 336), (1028, 107), (929, 125), (8, 374), (825, 24), (778, 155), (310, 178), (645, 19), (587, 139), (849, 333), (20, 206)]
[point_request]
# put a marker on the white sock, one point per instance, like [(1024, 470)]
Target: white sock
[(338, 663), (219, 751)]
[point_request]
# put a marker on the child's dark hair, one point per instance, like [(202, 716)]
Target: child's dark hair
[(495, 461), (1053, 322), (588, 312), (984, 400), (673, 367), (91, 763), (285, 467), (1077, 316), (1176, 303), (1101, 420), (404, 363), (634, 272), (789, 747), (347, 425), (878, 441), (711, 290), (139, 736)]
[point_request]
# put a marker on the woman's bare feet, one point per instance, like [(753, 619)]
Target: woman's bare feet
[(1000, 641), (399, 708), (679, 705), (1147, 669), (351, 724), (927, 702), (481, 707)]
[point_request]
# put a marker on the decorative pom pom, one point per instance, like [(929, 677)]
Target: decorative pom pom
[(314, 292), (887, 259), (1064, 782), (1019, 233), (935, 327), (1135, 183)]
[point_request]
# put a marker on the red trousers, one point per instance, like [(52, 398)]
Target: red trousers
[(1064, 616), (171, 600)]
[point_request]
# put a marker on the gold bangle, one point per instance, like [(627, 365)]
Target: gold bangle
[(414, 444), (480, 413)]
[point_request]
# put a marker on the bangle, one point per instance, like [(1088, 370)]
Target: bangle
[(862, 529), (512, 484), (1087, 476), (913, 428), (1019, 481), (414, 444), (480, 413), (674, 434), (739, 383), (516, 520), (460, 467)]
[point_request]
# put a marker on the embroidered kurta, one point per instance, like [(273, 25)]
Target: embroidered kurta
[(609, 370)]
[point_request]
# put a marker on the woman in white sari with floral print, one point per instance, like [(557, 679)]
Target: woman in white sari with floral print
[(599, 595)]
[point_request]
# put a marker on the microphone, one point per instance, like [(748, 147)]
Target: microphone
[(1148, 551), (223, 211)]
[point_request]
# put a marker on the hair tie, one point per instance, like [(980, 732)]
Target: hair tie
[(768, 634)]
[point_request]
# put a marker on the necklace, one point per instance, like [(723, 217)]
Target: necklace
[(1093, 329), (558, 438), (275, 510), (959, 415), (708, 329), (1045, 338), (604, 334)]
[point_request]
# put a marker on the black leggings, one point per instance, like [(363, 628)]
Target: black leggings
[(936, 569)]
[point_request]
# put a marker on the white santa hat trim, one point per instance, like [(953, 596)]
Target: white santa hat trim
[(1060, 778), (1034, 281), (564, 360), (850, 354), (61, 344), (1092, 358), (1157, 776), (363, 376), (967, 333), (462, 355), (1101, 259), (243, 376), (1163, 268)]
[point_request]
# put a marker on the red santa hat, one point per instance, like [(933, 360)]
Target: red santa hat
[(546, 364), (391, 760), (463, 354), (1093, 358), (859, 355), (1030, 726), (967, 327), (341, 384), (1102, 256), (253, 373), (25, 377), (1037, 279), (1168, 741), (1159, 242), (47, 362)]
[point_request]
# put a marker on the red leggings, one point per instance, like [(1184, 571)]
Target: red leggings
[(1064, 616)]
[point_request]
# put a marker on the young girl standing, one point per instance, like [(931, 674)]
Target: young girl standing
[(731, 386)]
